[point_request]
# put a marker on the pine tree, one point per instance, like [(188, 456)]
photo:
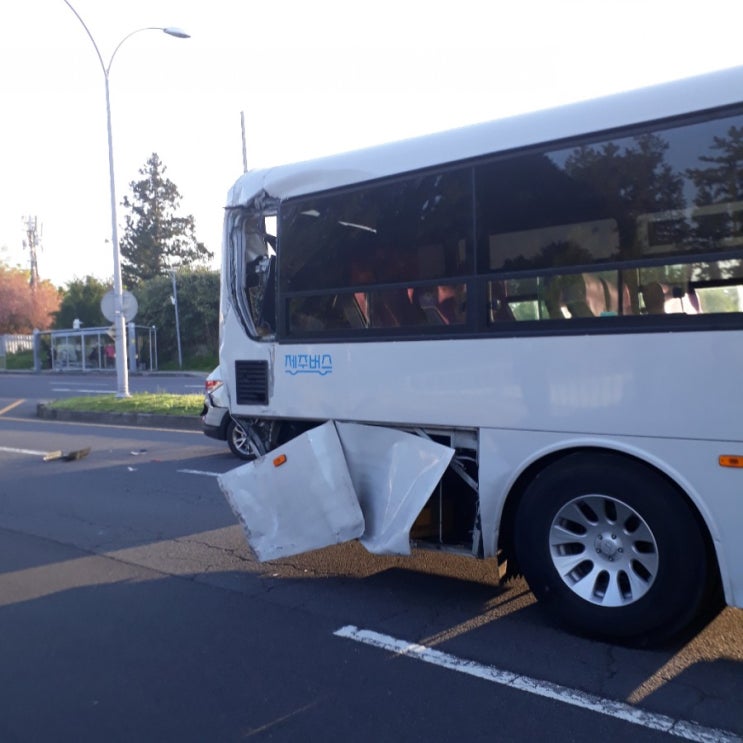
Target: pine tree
[(156, 239)]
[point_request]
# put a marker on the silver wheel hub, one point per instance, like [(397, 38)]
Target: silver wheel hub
[(608, 545), (603, 550)]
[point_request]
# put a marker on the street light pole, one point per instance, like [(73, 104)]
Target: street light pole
[(177, 320), (122, 375)]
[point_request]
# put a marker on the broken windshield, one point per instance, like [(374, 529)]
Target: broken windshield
[(250, 265)]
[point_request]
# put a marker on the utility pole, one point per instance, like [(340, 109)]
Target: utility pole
[(32, 242), (245, 151)]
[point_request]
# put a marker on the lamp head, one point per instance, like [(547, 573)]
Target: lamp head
[(177, 32)]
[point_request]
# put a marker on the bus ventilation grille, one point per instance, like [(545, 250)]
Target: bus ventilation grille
[(251, 380)]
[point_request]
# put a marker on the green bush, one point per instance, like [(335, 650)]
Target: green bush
[(21, 360)]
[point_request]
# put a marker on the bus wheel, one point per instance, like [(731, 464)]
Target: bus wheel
[(240, 442), (612, 549)]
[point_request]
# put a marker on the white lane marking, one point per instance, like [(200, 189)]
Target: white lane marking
[(620, 710), (200, 472), (11, 450)]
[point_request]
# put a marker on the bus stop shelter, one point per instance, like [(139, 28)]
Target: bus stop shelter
[(93, 349)]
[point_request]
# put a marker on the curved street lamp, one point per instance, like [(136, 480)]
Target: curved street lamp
[(122, 374)]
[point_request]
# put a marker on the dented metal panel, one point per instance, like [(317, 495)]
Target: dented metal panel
[(303, 504), (335, 483), (394, 474)]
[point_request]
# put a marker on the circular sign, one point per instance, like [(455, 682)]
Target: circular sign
[(129, 305)]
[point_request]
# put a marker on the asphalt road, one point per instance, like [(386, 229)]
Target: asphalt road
[(132, 609)]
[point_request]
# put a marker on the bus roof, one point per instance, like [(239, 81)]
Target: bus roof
[(699, 93)]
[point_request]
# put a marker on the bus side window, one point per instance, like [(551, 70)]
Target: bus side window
[(393, 308), (585, 295), (662, 299), (516, 300), (569, 296), (349, 308), (316, 313), (654, 298), (427, 300), (445, 304), (452, 303), (682, 301)]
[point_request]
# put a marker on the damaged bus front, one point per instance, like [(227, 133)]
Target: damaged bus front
[(335, 457)]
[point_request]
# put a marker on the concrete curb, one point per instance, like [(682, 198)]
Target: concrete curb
[(147, 420)]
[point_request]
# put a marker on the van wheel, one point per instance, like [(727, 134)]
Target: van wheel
[(612, 548), (239, 441)]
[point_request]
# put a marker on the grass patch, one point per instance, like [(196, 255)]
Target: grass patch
[(156, 403)]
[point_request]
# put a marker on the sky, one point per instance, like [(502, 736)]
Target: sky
[(310, 78)]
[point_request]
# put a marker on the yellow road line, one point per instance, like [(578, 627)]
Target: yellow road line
[(11, 406)]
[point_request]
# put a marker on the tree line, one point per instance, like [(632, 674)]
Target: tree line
[(158, 245)]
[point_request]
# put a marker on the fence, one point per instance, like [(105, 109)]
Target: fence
[(13, 344)]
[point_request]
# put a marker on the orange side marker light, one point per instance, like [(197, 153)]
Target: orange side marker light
[(731, 460), (281, 459)]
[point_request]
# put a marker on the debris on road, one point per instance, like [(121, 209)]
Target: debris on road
[(71, 456)]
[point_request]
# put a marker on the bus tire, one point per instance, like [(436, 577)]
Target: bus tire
[(612, 549)]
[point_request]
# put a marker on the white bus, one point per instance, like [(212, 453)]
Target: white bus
[(521, 340)]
